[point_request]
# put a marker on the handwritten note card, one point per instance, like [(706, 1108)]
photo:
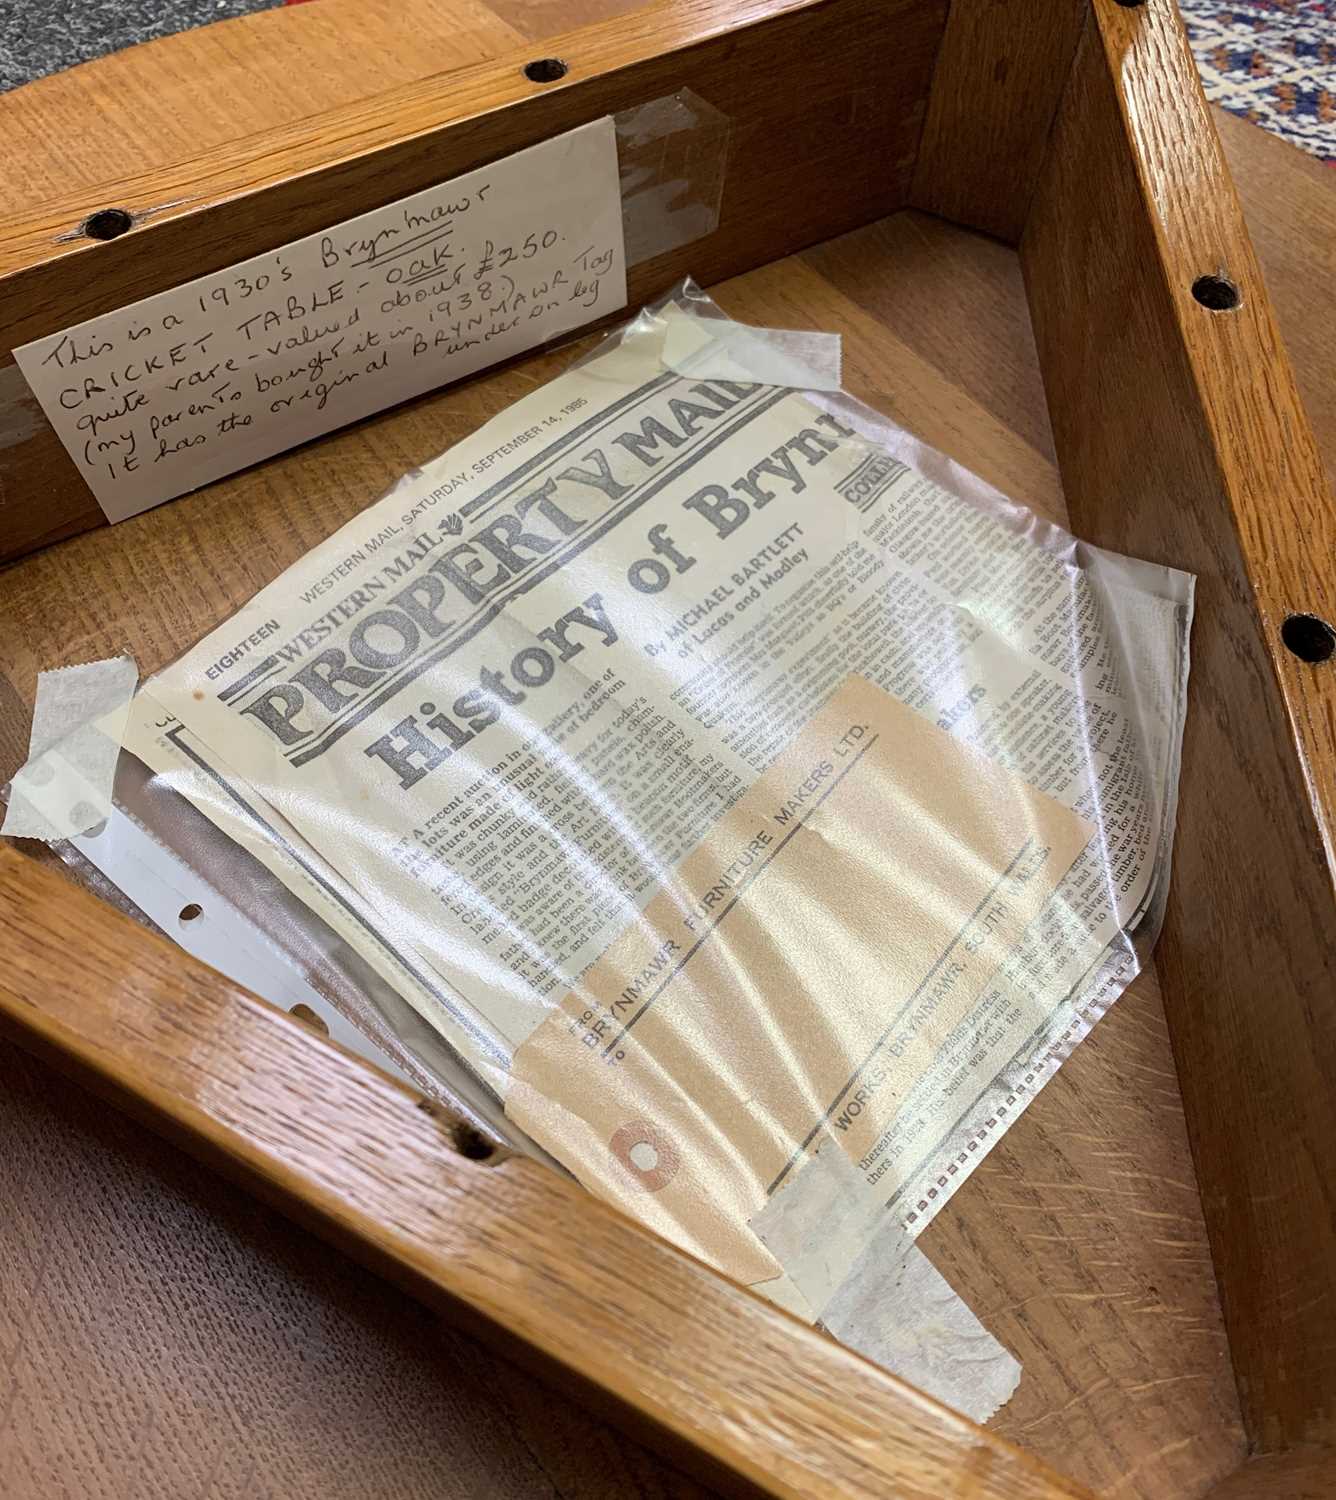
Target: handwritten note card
[(169, 393)]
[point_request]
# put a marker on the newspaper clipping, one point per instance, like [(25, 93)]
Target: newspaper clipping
[(759, 819)]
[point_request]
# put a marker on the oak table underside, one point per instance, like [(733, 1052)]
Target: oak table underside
[(162, 1334)]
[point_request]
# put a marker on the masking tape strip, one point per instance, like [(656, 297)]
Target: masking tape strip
[(903, 1315), (891, 1304), (719, 349), (814, 1225), (78, 722)]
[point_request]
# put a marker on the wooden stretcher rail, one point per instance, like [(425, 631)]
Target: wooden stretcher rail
[(842, 84), (1181, 438), (721, 1381)]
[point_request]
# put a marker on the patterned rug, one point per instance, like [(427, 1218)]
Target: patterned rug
[(1273, 62)]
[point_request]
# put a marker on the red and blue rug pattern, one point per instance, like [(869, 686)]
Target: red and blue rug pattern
[(1273, 62)]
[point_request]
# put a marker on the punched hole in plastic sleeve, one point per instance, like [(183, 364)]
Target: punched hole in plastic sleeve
[(197, 916)]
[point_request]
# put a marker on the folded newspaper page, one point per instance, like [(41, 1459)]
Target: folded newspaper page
[(759, 807)]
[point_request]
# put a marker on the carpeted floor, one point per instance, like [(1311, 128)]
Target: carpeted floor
[(43, 36), (1272, 61)]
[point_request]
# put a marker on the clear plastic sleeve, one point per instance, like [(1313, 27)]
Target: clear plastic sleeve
[(703, 783)]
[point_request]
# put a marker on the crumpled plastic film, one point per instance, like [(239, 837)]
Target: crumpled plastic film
[(715, 349), (755, 805), (79, 715)]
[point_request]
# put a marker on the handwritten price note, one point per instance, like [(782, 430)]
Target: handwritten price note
[(170, 393)]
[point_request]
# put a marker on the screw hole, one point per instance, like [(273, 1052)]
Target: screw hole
[(471, 1143), (545, 70), (190, 912), (107, 223), (1131, 4), (1218, 293), (303, 1013), (1310, 639)]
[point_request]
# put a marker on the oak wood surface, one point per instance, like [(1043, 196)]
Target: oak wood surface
[(510, 1249), (1127, 1382), (165, 1336), (1290, 209), (849, 115), (1031, 1284), (545, 18), (1302, 1474), (1181, 436), (1079, 1240), (999, 76), (140, 110)]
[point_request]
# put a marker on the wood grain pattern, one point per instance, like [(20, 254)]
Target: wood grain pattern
[(1069, 1285), (544, 18), (165, 1336), (850, 118), (1289, 203), (1303, 1474), (1079, 1241), (958, 300), (999, 76), (1126, 1382), (1181, 437), (512, 1251), (167, 100)]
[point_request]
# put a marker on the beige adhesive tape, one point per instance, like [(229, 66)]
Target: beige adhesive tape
[(816, 1227), (893, 1307), (718, 349), (901, 1313), (79, 717)]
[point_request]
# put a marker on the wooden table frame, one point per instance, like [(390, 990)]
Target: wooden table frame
[(1077, 131)]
